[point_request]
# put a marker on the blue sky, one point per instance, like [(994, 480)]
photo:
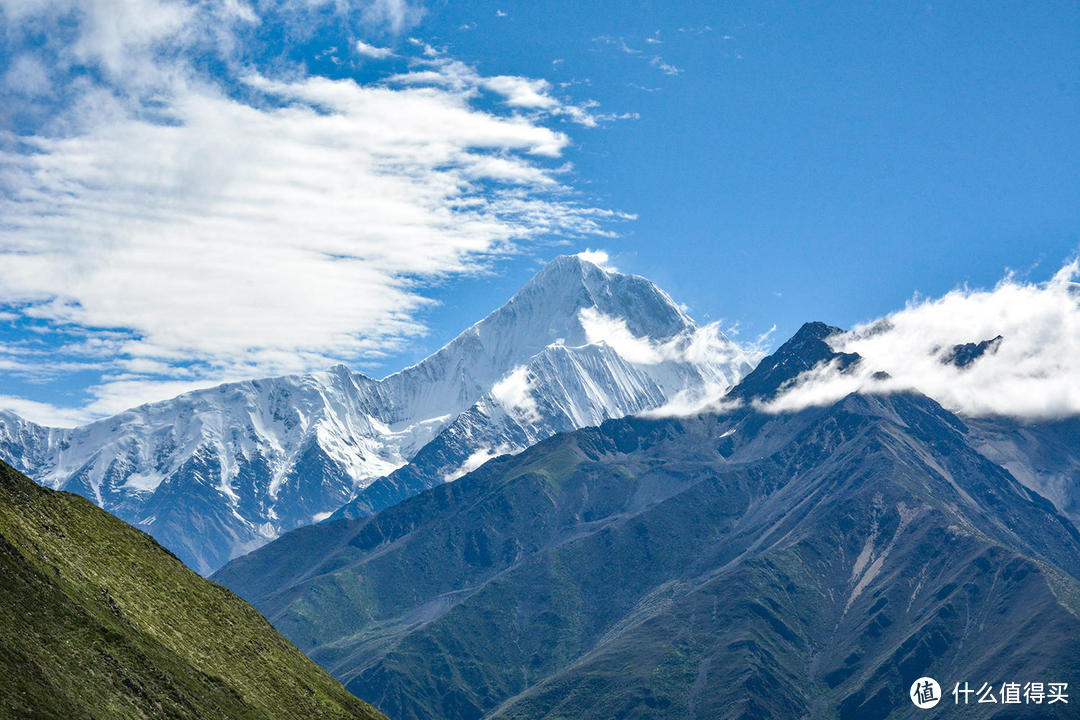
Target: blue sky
[(192, 193)]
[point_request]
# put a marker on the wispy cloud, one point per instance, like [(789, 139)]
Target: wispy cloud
[(618, 43), (45, 413), (663, 66), (514, 393), (533, 95), (653, 59), (703, 347), (600, 258), (372, 51), (205, 227), (397, 15)]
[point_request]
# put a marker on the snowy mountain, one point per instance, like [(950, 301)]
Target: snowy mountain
[(218, 472)]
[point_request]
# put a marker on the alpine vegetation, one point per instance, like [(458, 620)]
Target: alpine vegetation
[(99, 621)]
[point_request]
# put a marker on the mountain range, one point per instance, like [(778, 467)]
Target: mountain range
[(215, 473), (99, 621), (530, 523), (733, 564)]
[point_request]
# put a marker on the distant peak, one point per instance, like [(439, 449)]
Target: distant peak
[(962, 356), (570, 264), (806, 349), (812, 331), (572, 260), (570, 283)]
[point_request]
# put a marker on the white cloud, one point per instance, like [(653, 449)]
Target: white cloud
[(28, 76), (239, 228), (655, 61), (523, 93), (601, 328), (824, 385), (663, 66), (691, 402), (475, 460), (212, 231), (395, 14), (122, 393), (705, 349), (113, 395), (44, 413), (702, 347), (514, 393), (371, 51), (1034, 373), (618, 43), (600, 258)]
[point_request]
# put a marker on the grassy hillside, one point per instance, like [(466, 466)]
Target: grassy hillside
[(99, 621)]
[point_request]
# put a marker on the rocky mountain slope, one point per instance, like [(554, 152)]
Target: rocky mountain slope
[(733, 565), (215, 473), (99, 621), (1044, 455)]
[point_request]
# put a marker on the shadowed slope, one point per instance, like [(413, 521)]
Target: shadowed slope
[(743, 565)]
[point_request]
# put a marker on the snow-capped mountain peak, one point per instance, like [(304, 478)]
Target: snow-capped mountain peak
[(545, 311), (216, 472)]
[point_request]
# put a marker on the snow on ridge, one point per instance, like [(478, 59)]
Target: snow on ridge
[(578, 344)]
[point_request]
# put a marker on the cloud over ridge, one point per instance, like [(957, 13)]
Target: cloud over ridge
[(1032, 373)]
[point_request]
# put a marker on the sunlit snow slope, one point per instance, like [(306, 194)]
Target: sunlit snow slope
[(215, 473)]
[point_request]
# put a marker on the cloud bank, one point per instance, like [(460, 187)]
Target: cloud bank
[(1034, 372)]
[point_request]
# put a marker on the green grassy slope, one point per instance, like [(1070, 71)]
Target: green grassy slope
[(99, 621)]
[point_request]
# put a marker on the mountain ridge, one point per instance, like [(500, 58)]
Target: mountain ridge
[(218, 472), (791, 559)]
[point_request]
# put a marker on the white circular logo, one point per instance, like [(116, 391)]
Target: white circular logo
[(925, 693)]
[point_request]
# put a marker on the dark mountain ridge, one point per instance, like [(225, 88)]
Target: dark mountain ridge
[(735, 565)]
